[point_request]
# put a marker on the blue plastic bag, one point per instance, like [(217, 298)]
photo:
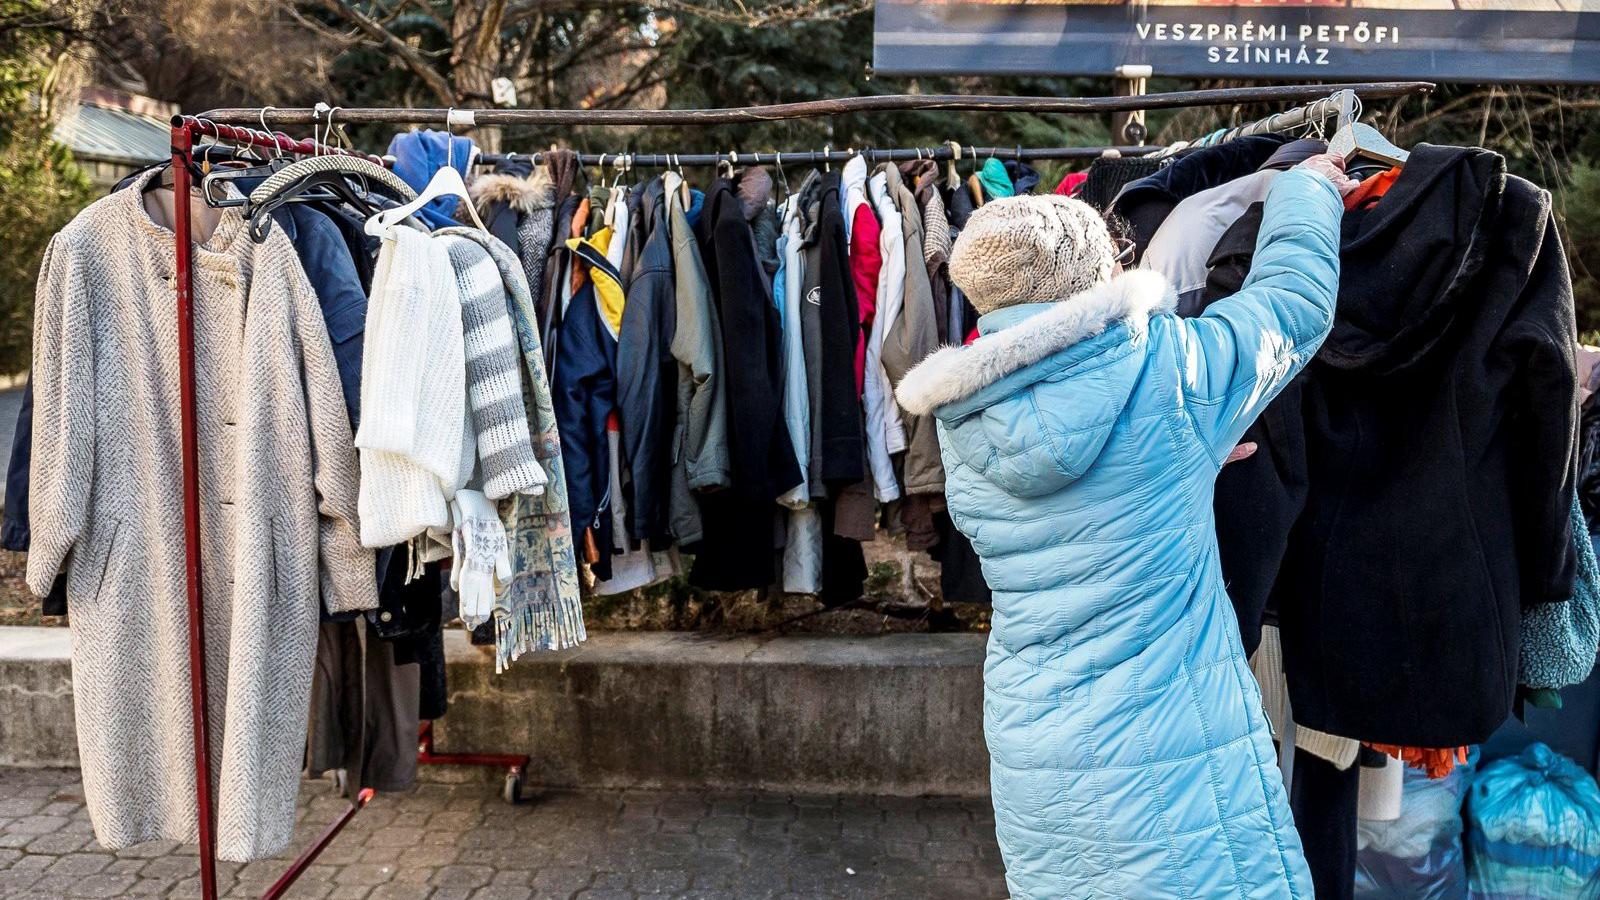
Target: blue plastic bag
[(1533, 829), (1419, 855)]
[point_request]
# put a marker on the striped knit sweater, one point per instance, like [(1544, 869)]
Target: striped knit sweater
[(499, 421)]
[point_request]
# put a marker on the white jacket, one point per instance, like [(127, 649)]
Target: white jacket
[(885, 433)]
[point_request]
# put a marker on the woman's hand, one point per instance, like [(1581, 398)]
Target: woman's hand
[(1243, 451), (1332, 168)]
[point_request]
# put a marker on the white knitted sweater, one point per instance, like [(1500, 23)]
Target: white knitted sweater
[(413, 391)]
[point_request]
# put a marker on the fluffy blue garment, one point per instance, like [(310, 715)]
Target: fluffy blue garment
[(1560, 640), (418, 155)]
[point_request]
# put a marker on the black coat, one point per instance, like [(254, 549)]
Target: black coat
[(741, 530), (843, 447), (1426, 461)]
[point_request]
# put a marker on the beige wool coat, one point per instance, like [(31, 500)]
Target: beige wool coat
[(278, 483)]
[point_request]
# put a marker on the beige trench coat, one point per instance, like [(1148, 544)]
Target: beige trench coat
[(278, 482)]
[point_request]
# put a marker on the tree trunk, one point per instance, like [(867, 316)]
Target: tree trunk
[(475, 60)]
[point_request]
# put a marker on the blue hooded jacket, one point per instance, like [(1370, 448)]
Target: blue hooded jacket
[(418, 155), (1129, 753)]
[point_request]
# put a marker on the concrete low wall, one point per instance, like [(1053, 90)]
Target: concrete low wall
[(36, 726), (896, 714)]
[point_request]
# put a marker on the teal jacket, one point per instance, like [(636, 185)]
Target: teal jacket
[(1081, 439)]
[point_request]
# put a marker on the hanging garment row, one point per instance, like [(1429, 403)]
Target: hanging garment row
[(579, 415), (1437, 423), (513, 436)]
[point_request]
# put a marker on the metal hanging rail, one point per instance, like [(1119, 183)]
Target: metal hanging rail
[(1343, 104), (810, 109), (818, 157)]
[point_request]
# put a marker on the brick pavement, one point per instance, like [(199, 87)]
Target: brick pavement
[(460, 842)]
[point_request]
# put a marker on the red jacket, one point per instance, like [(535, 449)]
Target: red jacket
[(865, 261)]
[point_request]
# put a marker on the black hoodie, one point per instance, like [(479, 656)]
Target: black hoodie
[(1422, 466)]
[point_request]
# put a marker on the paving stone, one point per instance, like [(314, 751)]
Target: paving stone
[(34, 863), (458, 876), (37, 824), (79, 864), (57, 843), (501, 892), (363, 874), (458, 842), (20, 806), (560, 881), (15, 881)]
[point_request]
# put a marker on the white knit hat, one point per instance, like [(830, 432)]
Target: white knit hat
[(1030, 249)]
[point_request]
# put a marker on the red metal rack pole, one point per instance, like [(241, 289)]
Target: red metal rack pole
[(183, 277), (184, 131), (299, 866)]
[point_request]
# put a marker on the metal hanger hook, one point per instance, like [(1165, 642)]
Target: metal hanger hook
[(277, 151), (449, 138)]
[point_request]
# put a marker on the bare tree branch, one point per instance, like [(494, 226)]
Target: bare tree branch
[(416, 62)]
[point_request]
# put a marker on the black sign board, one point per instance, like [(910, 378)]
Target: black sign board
[(1433, 40)]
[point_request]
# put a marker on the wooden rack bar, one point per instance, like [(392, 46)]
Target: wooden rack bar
[(810, 109)]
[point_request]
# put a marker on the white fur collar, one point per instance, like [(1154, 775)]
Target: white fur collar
[(956, 373), (521, 194)]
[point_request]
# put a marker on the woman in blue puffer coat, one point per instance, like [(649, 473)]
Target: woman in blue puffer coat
[(1081, 438)]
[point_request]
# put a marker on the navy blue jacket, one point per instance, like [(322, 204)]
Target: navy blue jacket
[(1145, 203), (583, 388)]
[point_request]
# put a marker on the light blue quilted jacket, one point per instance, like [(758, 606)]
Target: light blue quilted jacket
[(1129, 754)]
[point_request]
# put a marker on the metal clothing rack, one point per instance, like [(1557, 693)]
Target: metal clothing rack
[(232, 125)]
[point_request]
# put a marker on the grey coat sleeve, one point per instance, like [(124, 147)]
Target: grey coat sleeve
[(347, 568), (63, 414)]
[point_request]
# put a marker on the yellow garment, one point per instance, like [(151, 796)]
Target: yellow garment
[(608, 292)]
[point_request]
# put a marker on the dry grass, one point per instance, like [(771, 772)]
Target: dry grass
[(18, 606)]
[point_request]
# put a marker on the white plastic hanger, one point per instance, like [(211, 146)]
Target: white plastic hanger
[(445, 182)]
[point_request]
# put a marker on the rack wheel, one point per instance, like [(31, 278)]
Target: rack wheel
[(513, 787)]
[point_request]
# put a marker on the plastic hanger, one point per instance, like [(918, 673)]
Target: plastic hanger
[(446, 182), (1358, 139)]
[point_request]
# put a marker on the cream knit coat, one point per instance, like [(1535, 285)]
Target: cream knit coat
[(278, 487)]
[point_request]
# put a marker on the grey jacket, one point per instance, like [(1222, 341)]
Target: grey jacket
[(700, 441), (913, 336), (647, 374)]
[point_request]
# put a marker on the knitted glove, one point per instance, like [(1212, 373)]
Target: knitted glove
[(1332, 168), (482, 555)]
